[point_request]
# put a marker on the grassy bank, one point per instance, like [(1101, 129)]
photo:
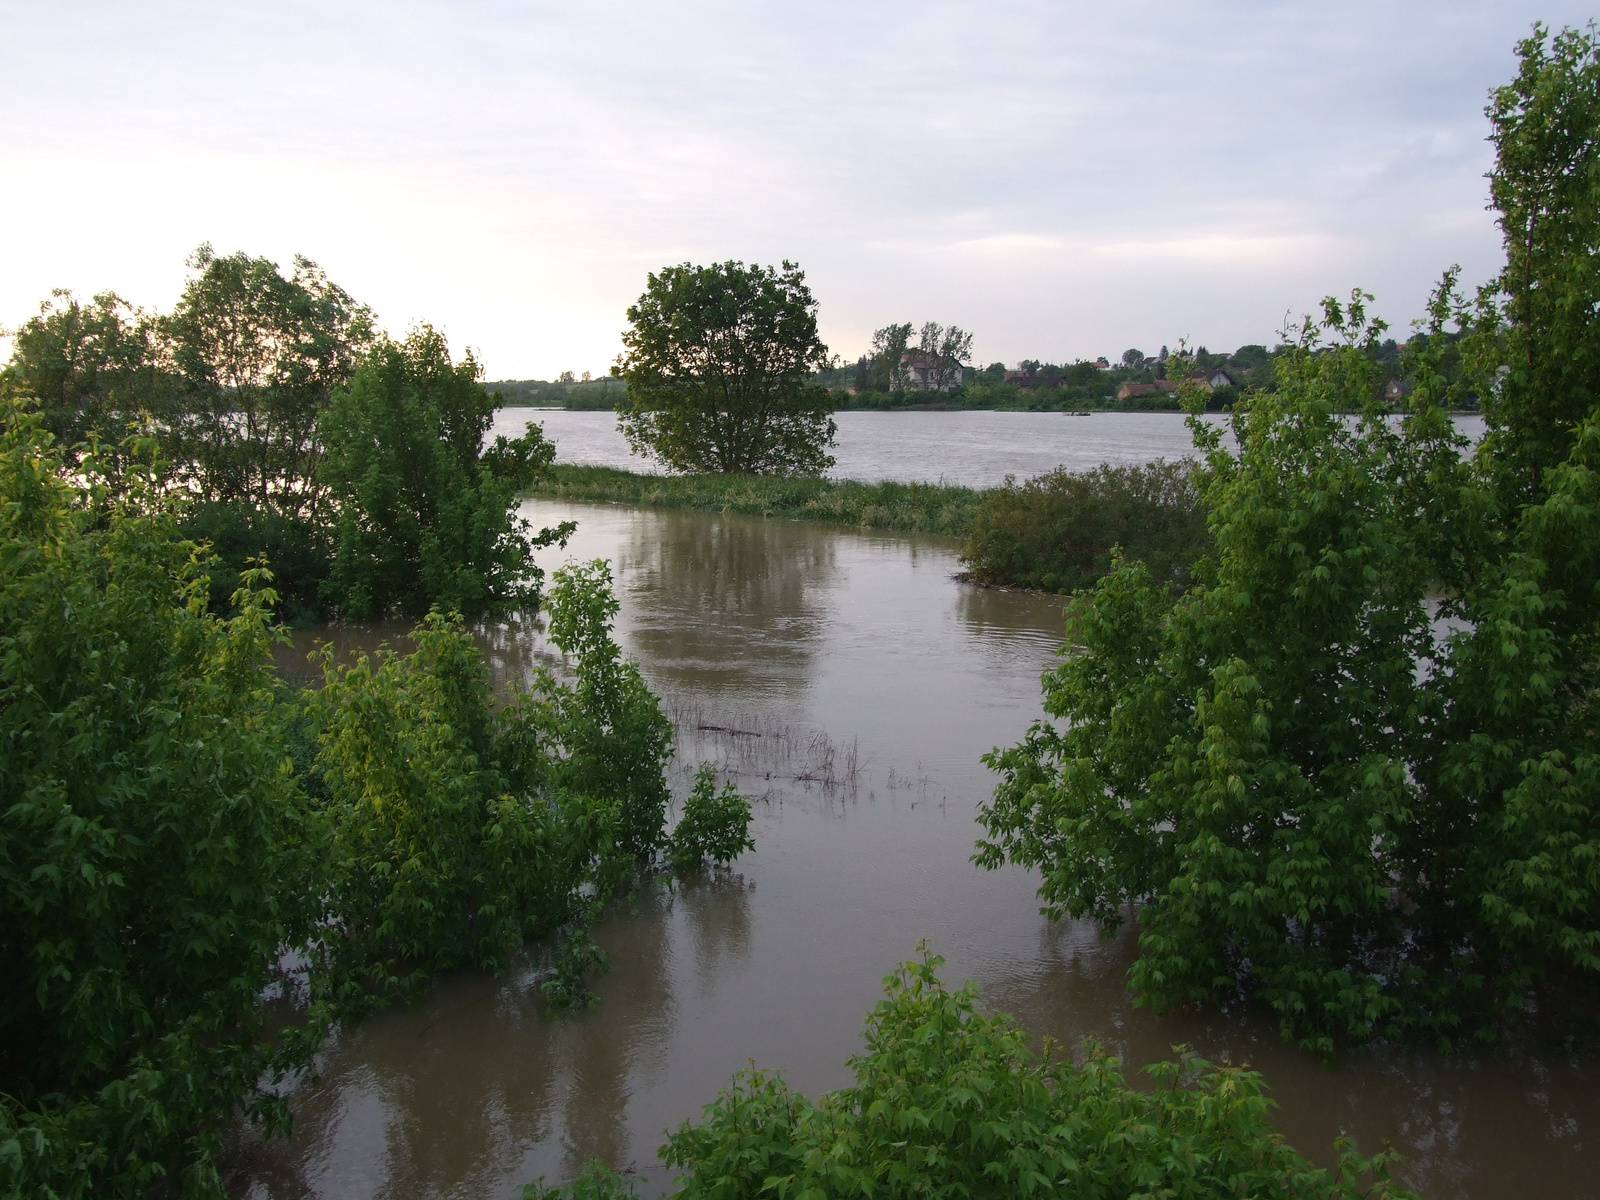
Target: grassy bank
[(903, 507)]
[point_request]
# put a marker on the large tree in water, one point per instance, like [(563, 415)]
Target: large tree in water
[(719, 361)]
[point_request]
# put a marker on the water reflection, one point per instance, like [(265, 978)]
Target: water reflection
[(730, 605)]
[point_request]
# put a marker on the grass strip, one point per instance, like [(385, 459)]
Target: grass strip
[(902, 507)]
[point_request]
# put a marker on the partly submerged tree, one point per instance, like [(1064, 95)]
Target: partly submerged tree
[(426, 515), (718, 361), (1353, 772)]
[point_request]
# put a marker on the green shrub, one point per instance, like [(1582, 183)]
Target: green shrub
[(425, 516), (459, 831), (714, 828), (299, 551), (951, 1102), (156, 853), (1056, 532), (604, 734), (595, 1181)]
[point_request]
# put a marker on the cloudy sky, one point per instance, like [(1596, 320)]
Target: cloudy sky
[(1065, 179)]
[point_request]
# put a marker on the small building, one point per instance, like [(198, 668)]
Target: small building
[(924, 372), (1129, 390)]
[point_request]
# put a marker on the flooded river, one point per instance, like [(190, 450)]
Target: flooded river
[(850, 684), (974, 449)]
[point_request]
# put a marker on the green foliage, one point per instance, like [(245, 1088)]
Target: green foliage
[(595, 1181), (1242, 760), (951, 1102), (605, 733), (718, 361), (90, 366), (460, 832), (714, 827), (250, 384), (426, 517), (237, 534), (1057, 532), (906, 507), (576, 956), (1318, 793), (1537, 320), (256, 357), (156, 853)]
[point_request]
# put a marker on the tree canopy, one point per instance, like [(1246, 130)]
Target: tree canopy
[(298, 434), (718, 361)]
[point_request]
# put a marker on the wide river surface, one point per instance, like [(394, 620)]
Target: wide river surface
[(975, 449), (849, 683)]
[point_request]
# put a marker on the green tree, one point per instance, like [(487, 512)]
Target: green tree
[(156, 852), (258, 357), (1241, 761), (459, 828), (714, 827), (944, 349), (604, 730), (1315, 797), (718, 361), (888, 346), (1539, 317), (92, 367), (426, 516)]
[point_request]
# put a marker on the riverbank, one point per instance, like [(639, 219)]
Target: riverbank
[(896, 507)]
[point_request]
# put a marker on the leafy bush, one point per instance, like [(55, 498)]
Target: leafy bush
[(595, 1181), (604, 734), (156, 853), (239, 535), (714, 828), (1057, 532), (425, 516), (460, 832), (445, 850), (950, 1102)]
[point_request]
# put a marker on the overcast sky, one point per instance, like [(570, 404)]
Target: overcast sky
[(1064, 179)]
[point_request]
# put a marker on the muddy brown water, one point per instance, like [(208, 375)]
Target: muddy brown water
[(850, 684)]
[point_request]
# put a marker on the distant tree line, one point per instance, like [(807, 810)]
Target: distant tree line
[(873, 382), (564, 391)]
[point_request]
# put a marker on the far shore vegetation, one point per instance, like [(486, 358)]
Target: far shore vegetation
[(1056, 533)]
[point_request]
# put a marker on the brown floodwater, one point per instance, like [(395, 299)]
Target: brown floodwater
[(850, 684)]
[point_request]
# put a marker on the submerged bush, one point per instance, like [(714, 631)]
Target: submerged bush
[(714, 827), (461, 831), (951, 1102), (1057, 532)]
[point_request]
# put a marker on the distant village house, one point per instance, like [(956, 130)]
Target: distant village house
[(923, 372)]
